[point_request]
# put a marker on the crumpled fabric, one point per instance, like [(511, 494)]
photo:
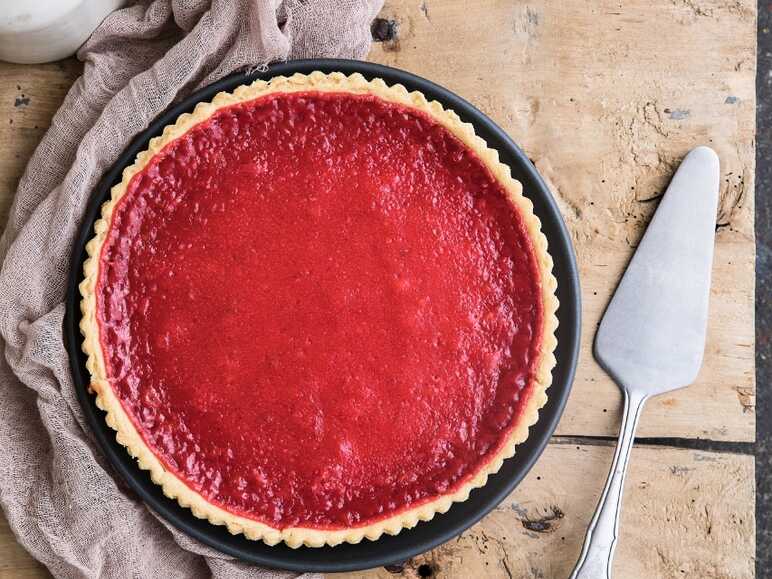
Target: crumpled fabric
[(63, 501)]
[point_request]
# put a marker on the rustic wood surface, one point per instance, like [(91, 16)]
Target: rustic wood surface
[(605, 97), (15, 563), (687, 514)]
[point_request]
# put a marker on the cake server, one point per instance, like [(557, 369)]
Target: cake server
[(652, 336)]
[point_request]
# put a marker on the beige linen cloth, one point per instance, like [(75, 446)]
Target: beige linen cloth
[(63, 502)]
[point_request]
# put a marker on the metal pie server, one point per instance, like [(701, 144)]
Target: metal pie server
[(652, 337)]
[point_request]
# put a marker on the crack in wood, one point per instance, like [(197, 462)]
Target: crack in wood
[(548, 523), (505, 564), (383, 30), (425, 10), (703, 444)]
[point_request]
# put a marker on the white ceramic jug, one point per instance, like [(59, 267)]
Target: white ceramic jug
[(33, 31)]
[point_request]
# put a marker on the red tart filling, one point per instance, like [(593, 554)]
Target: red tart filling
[(319, 309)]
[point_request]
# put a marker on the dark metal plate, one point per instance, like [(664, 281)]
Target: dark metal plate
[(425, 536)]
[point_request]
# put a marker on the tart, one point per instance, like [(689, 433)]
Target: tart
[(319, 309)]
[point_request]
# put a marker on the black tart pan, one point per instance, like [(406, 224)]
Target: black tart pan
[(427, 535)]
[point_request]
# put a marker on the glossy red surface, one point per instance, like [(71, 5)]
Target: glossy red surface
[(319, 309)]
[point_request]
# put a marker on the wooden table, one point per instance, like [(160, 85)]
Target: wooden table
[(605, 97)]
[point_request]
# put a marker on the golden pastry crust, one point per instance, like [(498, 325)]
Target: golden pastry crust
[(127, 434)]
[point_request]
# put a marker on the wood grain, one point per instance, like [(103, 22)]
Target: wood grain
[(29, 97), (686, 514), (606, 98), (15, 562)]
